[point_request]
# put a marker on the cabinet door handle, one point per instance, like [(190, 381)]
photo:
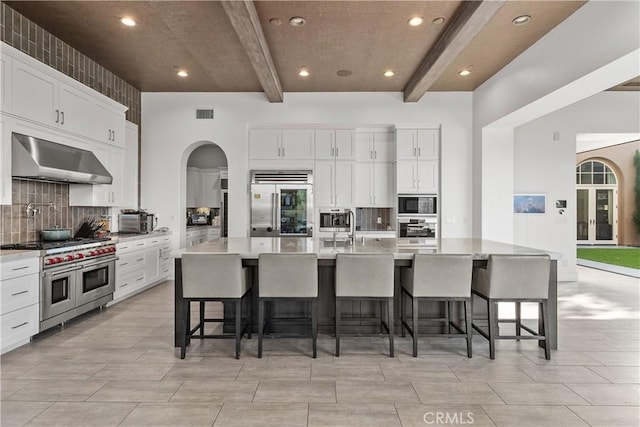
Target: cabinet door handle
[(20, 325), (282, 151), (337, 152), (61, 117), (414, 151), (419, 151), (375, 155), (20, 268), (19, 293), (371, 154), (57, 116), (114, 135), (333, 152)]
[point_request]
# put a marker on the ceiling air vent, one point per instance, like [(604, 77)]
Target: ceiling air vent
[(202, 113)]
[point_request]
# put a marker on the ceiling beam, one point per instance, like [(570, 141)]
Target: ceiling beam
[(245, 21), (469, 19)]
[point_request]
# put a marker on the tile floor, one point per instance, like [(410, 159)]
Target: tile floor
[(119, 367)]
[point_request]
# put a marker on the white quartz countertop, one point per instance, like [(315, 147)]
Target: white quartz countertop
[(14, 254), (251, 247)]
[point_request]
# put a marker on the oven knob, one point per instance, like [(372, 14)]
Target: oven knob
[(50, 261), (58, 260), (68, 258), (112, 249), (79, 256), (101, 251), (92, 253)]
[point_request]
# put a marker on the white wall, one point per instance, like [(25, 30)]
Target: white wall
[(594, 49), (170, 132), (537, 171)]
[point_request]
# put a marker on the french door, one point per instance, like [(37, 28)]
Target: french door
[(597, 216)]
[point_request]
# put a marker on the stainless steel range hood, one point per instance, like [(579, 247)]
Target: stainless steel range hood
[(34, 158)]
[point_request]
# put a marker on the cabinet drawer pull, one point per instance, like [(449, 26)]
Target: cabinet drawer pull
[(141, 259), (140, 244), (20, 325), (20, 268), (141, 278), (19, 293), (124, 284), (123, 264)]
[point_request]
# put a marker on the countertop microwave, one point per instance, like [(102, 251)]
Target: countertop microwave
[(417, 204)]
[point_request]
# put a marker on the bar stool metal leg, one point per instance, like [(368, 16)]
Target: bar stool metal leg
[(314, 326), (201, 319), (545, 322), (492, 328), (249, 320), (414, 324), (238, 326), (390, 325), (337, 327), (518, 320), (468, 315), (402, 313), (260, 326), (185, 327)]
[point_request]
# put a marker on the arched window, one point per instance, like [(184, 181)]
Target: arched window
[(594, 172)]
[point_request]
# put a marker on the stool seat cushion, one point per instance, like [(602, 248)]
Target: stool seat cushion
[(514, 277), (439, 275), (213, 276), (288, 275), (364, 275)]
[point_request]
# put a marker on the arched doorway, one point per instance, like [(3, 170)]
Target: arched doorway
[(596, 203), (206, 191)]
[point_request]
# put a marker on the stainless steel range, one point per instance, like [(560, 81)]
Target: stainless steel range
[(77, 276)]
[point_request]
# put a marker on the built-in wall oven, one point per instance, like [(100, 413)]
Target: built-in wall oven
[(74, 281), (417, 231)]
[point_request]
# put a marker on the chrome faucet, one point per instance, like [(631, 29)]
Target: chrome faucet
[(352, 227), (32, 210)]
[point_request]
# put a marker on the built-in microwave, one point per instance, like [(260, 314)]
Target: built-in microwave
[(417, 204)]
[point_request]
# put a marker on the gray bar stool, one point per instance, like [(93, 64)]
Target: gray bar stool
[(438, 277), (288, 277), (213, 277), (514, 278), (365, 277)]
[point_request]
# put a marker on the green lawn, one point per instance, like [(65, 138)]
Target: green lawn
[(625, 257)]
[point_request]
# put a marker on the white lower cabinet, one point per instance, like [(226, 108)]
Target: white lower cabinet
[(142, 263), (19, 302)]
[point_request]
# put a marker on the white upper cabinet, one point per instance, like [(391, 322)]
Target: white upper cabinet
[(194, 188), (130, 174), (374, 146), (419, 144), (279, 144), (210, 188), (336, 144), (48, 97), (334, 183), (374, 184), (113, 158)]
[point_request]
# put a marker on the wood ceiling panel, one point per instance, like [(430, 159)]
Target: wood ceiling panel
[(365, 37), (501, 41), (194, 35)]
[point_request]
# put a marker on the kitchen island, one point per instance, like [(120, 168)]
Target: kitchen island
[(358, 316)]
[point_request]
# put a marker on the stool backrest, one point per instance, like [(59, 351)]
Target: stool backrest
[(442, 275), (288, 275), (519, 276), (364, 275), (213, 276)]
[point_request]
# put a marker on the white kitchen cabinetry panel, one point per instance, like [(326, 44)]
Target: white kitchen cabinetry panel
[(427, 176), (195, 237), (334, 183), (297, 144), (130, 173), (418, 144), (264, 144), (210, 188), (417, 176), (406, 176), (336, 144), (281, 144), (35, 94), (106, 194), (142, 264), (117, 134), (79, 112), (19, 292), (17, 327), (19, 301), (374, 146), (194, 188), (5, 83), (374, 184), (5, 159)]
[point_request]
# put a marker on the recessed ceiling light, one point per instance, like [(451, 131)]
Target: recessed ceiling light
[(344, 73), (182, 73), (438, 21), (465, 72), (521, 20), (275, 21), (297, 21), (389, 73), (414, 21), (303, 72), (129, 22)]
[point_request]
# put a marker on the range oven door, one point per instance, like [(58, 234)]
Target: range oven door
[(95, 281), (58, 292)]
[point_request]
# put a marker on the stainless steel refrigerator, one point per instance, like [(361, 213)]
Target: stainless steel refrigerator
[(281, 204)]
